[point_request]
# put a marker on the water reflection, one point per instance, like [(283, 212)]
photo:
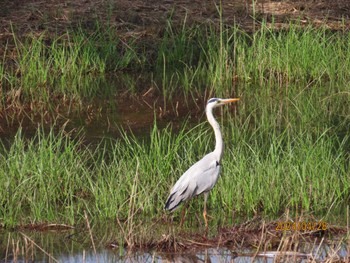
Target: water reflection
[(106, 104), (208, 255)]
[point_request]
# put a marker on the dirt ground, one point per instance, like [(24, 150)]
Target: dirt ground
[(140, 17)]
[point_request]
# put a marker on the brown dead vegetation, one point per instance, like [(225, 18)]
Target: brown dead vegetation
[(140, 17), (252, 234)]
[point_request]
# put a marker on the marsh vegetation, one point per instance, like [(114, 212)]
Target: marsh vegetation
[(287, 141)]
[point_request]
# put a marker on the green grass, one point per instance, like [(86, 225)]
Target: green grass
[(49, 66), (223, 58), (52, 178), (185, 60), (287, 145)]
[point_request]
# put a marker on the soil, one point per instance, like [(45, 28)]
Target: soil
[(253, 234), (141, 17)]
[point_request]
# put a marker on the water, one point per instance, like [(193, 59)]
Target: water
[(100, 118), (104, 115), (209, 255), (64, 246)]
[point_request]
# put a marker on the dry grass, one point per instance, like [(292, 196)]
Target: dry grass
[(253, 239), (257, 236)]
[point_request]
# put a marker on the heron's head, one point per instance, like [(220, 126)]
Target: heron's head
[(215, 102)]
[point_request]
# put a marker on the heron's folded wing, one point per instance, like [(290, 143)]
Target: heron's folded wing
[(200, 177)]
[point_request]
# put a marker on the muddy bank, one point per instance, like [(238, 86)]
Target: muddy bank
[(146, 20), (141, 17), (255, 239)]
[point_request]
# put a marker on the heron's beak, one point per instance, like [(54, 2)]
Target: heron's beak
[(225, 101)]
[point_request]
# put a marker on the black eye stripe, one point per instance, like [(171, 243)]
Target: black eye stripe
[(212, 100)]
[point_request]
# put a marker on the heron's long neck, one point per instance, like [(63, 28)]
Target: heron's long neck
[(219, 145)]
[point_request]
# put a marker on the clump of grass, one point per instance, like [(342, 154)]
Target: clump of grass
[(40, 178), (197, 58), (289, 133), (223, 58), (53, 178), (55, 66), (297, 171), (298, 55), (188, 59)]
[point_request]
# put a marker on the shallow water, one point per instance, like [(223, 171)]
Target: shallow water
[(129, 102), (64, 246), (208, 255)]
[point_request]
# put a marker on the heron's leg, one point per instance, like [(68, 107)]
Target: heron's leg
[(183, 214), (205, 209)]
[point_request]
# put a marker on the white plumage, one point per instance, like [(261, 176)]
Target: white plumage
[(191, 183), (201, 176)]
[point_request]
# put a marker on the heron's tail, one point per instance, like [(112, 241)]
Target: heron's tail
[(172, 202)]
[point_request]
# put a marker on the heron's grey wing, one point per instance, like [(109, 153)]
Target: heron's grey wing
[(200, 177)]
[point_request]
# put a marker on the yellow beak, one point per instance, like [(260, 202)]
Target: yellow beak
[(225, 101)]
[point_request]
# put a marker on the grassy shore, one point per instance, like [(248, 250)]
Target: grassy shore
[(287, 142), (185, 60), (53, 178)]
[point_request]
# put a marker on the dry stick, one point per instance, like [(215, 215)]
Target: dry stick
[(260, 241), (199, 243), (121, 227), (35, 244), (273, 254), (92, 239), (15, 250), (7, 247), (58, 226), (313, 256), (335, 256)]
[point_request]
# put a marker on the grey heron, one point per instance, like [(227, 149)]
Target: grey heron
[(201, 176)]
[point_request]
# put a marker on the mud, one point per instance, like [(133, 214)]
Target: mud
[(140, 17)]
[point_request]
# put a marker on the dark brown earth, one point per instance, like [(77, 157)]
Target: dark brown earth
[(141, 17)]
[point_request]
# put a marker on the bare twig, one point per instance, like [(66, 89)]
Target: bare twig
[(92, 239), (35, 244)]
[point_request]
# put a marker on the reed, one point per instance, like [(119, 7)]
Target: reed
[(49, 66), (287, 142), (189, 60), (53, 178), (223, 58)]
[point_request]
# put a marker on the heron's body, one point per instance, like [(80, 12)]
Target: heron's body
[(201, 176), (191, 183)]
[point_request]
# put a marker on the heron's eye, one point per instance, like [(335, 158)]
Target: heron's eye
[(213, 100)]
